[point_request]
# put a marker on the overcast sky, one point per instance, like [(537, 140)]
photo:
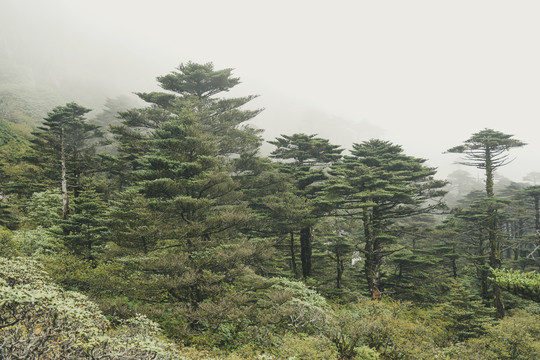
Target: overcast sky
[(423, 74)]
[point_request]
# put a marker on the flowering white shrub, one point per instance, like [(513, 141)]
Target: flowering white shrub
[(38, 320)]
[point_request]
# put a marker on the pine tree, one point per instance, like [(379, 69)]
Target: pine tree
[(379, 184), (64, 146), (464, 315), (305, 158), (187, 227), (488, 150), (87, 228)]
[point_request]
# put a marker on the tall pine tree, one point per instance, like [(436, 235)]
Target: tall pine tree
[(379, 184), (488, 150)]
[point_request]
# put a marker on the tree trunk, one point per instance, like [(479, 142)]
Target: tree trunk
[(482, 270), (306, 248), (495, 261), (454, 263), (372, 263), (65, 201), (494, 245), (340, 269), (537, 214), (293, 257)]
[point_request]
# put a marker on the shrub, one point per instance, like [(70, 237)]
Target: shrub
[(38, 320)]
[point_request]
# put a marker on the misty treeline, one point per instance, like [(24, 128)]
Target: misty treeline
[(161, 232)]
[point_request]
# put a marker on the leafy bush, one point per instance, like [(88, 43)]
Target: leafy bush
[(38, 241), (524, 284), (8, 246), (38, 320), (516, 337)]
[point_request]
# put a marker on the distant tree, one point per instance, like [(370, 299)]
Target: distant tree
[(305, 158), (64, 146), (87, 227), (460, 183), (488, 150), (533, 177), (463, 314), (7, 218), (533, 192), (277, 207), (109, 116), (473, 225), (195, 86), (379, 184), (190, 92)]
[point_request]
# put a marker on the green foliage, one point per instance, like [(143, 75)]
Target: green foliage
[(464, 316), (515, 337), (182, 224), (395, 330), (67, 138), (43, 209), (86, 229), (8, 246), (308, 348), (379, 184), (487, 149), (365, 353), (38, 241), (18, 176), (305, 159), (6, 133), (39, 320), (524, 284)]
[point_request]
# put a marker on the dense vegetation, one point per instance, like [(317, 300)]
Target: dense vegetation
[(161, 232)]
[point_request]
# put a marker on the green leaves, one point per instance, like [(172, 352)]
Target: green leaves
[(487, 149), (40, 320), (523, 284)]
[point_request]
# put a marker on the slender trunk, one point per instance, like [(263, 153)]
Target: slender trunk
[(340, 269), (510, 238), (454, 263), (372, 263), (483, 270), (489, 174), (495, 261), (537, 214), (494, 245), (293, 257), (306, 248), (65, 201), (145, 245)]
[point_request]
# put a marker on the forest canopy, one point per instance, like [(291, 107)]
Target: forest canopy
[(162, 231)]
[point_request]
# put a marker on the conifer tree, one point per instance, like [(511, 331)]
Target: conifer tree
[(194, 87), (188, 213), (379, 184), (488, 150), (64, 147), (87, 227), (305, 158)]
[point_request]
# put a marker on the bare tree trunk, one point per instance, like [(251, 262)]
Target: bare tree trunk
[(65, 200), (494, 244), (293, 256), (372, 264), (454, 264), (340, 269), (306, 248)]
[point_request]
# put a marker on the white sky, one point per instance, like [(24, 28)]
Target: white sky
[(423, 74)]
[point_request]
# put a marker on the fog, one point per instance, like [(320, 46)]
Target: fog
[(423, 74)]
